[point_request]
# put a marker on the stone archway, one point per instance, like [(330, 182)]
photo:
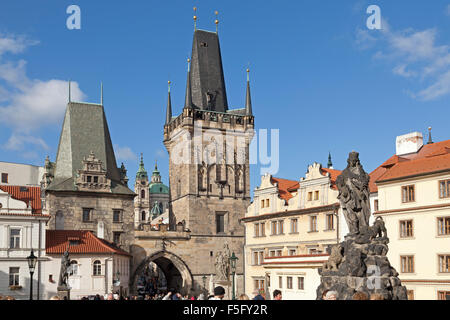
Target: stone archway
[(177, 273)]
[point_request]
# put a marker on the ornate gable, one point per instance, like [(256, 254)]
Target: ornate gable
[(92, 176)]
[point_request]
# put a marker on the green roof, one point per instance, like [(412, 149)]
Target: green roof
[(85, 129), (158, 188)]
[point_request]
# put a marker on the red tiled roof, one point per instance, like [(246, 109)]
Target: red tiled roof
[(430, 158), (333, 176), (285, 187), (57, 242), (27, 194)]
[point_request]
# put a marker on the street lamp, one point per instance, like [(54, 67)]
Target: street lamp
[(32, 259), (233, 259), (204, 282)]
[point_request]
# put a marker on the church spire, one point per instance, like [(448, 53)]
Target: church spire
[(188, 99), (248, 99), (169, 106), (430, 140), (330, 164), (141, 173)]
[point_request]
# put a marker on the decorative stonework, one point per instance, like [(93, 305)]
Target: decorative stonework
[(359, 264), (92, 176)]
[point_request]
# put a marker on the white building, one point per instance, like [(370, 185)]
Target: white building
[(411, 192), (17, 174), (98, 266), (21, 230)]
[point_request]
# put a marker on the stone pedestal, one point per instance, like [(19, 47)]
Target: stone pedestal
[(360, 264), (63, 292)]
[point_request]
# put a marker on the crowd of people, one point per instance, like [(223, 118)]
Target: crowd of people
[(219, 294), (333, 295)]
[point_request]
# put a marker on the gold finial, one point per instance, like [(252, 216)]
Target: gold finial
[(168, 84), (248, 74), (189, 64), (217, 20), (195, 18)]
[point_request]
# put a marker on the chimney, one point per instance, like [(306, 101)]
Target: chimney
[(409, 143)]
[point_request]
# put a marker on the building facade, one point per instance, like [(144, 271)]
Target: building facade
[(22, 229), (84, 189), (208, 147), (97, 267), (411, 192), (17, 174), (289, 228)]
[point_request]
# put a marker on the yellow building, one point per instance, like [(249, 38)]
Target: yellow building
[(288, 228), (411, 191)]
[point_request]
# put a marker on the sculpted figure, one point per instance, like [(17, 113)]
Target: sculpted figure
[(222, 263), (353, 185), (335, 258), (378, 229), (63, 273)]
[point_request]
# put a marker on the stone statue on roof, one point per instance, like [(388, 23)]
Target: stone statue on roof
[(353, 185)]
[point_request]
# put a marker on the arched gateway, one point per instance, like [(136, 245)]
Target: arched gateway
[(176, 272)]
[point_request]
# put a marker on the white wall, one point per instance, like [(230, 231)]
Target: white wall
[(21, 174)]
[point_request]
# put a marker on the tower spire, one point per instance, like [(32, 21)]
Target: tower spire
[(330, 164), (169, 105), (430, 140), (101, 93), (69, 90), (188, 99), (195, 18), (216, 21), (248, 99)]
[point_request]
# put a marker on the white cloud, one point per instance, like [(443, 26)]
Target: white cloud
[(18, 141), (28, 104), (440, 88), (415, 54), (124, 153)]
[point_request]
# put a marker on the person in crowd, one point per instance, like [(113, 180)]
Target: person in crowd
[(277, 295), (219, 293), (324, 294), (258, 295), (54, 298), (331, 295), (110, 296), (201, 296), (243, 297), (168, 296), (359, 295)]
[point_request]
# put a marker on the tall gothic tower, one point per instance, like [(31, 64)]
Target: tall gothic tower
[(208, 147)]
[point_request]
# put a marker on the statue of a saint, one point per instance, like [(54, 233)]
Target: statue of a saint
[(64, 271), (222, 263), (353, 185)]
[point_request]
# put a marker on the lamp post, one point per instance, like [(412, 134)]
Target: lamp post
[(233, 259), (204, 282), (32, 259)]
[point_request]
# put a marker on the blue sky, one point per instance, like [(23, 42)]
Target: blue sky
[(318, 74)]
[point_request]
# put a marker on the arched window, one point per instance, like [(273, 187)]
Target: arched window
[(161, 207), (97, 268), (74, 268), (143, 193), (143, 215)]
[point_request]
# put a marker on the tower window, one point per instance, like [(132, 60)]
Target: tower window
[(89, 179), (117, 215), (87, 215), (143, 215), (143, 194), (203, 44), (220, 222), (95, 179), (4, 178)]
